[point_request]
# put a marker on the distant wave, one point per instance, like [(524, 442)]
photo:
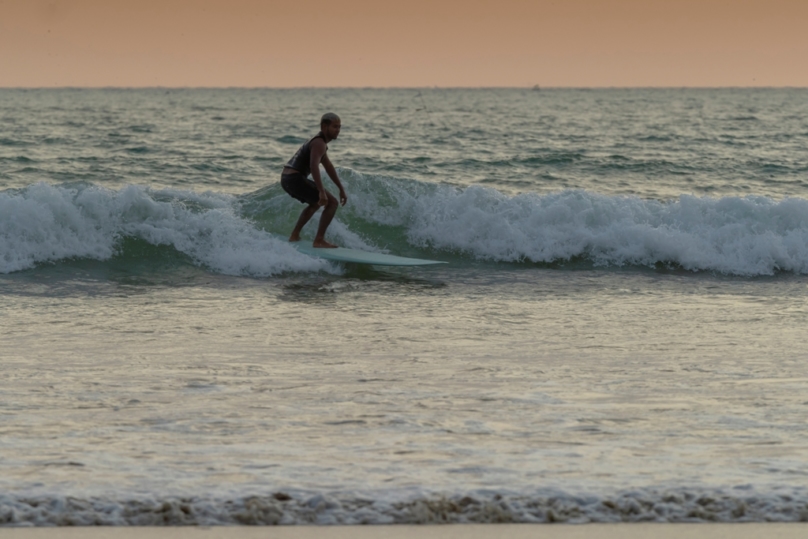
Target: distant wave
[(642, 505)]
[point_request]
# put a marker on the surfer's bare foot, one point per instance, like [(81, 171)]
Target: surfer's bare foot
[(293, 239), (323, 244)]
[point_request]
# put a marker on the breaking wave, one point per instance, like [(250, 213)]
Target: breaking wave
[(744, 236), (46, 223)]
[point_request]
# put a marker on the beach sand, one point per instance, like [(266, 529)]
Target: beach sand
[(456, 531)]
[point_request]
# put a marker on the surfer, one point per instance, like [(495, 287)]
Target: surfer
[(294, 180)]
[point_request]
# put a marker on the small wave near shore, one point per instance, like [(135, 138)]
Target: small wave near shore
[(296, 508)]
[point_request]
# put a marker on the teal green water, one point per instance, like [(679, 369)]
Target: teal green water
[(616, 335)]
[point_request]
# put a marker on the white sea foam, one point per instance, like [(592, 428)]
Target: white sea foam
[(740, 236), (388, 508), (47, 223)]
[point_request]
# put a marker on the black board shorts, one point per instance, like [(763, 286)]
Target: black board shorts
[(300, 188)]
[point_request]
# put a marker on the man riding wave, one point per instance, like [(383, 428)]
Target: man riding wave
[(294, 180)]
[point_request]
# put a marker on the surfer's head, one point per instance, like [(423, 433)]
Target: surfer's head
[(328, 118), (330, 125)]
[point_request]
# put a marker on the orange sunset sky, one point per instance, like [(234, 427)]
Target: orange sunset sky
[(292, 43)]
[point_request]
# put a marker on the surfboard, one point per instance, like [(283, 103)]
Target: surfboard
[(342, 254)]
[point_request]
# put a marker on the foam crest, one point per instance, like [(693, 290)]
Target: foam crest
[(740, 236), (644, 505), (47, 223)]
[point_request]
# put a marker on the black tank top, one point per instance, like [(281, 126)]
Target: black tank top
[(301, 161)]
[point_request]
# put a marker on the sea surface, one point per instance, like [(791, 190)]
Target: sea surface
[(619, 333)]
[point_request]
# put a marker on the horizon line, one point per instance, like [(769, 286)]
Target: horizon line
[(535, 87)]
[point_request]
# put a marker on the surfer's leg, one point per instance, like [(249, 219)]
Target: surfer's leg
[(305, 215), (304, 190), (328, 214)]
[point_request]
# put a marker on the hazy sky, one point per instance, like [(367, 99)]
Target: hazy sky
[(283, 43)]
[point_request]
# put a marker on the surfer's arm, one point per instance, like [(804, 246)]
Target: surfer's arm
[(332, 173), (317, 155)]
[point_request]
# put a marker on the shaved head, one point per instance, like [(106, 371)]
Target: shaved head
[(328, 118)]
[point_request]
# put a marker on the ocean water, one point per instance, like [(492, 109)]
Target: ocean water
[(618, 335)]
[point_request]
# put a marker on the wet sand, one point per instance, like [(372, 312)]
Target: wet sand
[(456, 531)]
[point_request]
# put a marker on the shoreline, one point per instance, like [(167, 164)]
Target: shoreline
[(444, 531)]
